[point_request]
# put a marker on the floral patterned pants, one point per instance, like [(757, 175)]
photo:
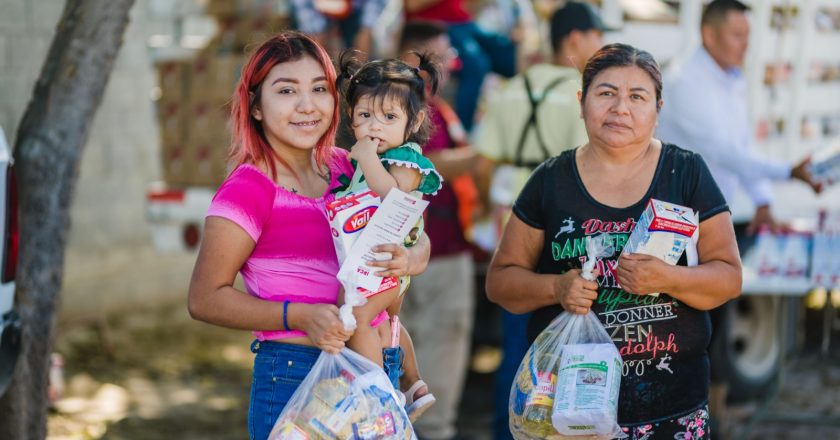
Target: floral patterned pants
[(692, 426)]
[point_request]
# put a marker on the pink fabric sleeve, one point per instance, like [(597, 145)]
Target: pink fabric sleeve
[(245, 198)]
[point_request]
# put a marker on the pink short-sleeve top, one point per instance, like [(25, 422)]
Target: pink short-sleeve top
[(294, 258)]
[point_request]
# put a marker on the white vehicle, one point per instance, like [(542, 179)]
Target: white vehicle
[(10, 327)]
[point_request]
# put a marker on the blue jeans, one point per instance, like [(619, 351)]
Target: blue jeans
[(278, 371), (514, 347), (480, 52), (392, 363)]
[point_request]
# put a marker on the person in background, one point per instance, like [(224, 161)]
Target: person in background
[(481, 52), (707, 112), (534, 117), (603, 187), (353, 18), (438, 309), (267, 223)]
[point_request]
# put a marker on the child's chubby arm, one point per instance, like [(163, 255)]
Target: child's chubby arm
[(379, 179)]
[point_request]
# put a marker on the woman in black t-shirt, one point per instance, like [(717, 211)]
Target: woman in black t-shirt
[(604, 186)]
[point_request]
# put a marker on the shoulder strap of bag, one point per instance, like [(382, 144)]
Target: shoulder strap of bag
[(532, 121)]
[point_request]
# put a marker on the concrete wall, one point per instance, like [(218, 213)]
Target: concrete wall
[(109, 261)]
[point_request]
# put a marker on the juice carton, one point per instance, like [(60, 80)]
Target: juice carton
[(348, 216)]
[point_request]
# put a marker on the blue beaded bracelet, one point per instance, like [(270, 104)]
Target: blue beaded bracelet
[(285, 314)]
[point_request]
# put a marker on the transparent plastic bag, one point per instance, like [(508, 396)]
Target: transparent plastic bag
[(569, 378), (345, 396), (567, 384)]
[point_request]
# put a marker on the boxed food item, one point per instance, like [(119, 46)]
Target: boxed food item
[(796, 253), (765, 257), (392, 222), (348, 216), (664, 231)]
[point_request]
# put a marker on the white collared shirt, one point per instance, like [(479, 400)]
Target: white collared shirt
[(706, 111)]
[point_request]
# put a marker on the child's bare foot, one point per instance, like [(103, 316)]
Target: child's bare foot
[(418, 399)]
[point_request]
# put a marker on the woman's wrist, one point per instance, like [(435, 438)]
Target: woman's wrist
[(294, 316), (286, 315), (418, 256), (412, 259)]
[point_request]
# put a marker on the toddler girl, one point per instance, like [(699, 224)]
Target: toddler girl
[(386, 105)]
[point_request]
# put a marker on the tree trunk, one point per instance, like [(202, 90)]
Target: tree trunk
[(47, 153)]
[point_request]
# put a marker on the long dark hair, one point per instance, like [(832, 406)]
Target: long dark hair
[(390, 79), (621, 55)]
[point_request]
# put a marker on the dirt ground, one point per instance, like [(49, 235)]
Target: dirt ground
[(156, 374)]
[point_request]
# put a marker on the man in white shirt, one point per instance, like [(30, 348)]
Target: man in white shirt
[(706, 111)]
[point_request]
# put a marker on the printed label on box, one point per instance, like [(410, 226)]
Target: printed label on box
[(391, 223), (348, 217), (664, 230)]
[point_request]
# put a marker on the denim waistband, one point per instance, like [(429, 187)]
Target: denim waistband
[(281, 347)]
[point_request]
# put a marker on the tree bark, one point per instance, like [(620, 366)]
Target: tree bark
[(47, 153)]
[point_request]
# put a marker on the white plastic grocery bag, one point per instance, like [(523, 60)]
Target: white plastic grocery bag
[(567, 384), (345, 396)]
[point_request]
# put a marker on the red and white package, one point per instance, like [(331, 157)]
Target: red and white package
[(348, 216)]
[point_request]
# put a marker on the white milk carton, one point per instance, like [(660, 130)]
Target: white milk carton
[(796, 254), (765, 258), (663, 231), (821, 259), (348, 216)]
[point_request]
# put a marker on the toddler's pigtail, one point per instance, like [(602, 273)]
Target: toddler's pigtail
[(431, 67), (348, 64)]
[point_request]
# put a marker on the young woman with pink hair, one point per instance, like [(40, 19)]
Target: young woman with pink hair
[(267, 223)]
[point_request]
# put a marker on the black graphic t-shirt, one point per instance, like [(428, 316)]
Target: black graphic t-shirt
[(662, 341)]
